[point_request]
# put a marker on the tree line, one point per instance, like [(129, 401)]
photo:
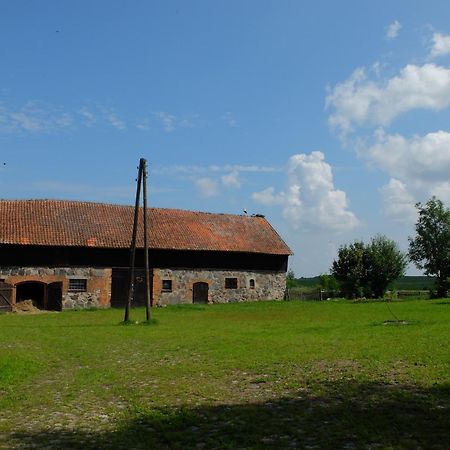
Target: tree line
[(366, 269)]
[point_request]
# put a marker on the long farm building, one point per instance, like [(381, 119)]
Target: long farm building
[(71, 254)]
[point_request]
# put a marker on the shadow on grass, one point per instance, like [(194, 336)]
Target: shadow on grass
[(344, 415)]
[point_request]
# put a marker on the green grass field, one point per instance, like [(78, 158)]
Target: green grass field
[(254, 375)]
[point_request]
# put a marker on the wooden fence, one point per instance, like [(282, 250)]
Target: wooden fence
[(409, 294), (314, 294)]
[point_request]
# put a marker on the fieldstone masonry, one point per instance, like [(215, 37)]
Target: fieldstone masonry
[(266, 285), (98, 283), (81, 300), (251, 285)]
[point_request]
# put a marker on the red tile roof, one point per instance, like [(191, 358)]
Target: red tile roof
[(85, 224)]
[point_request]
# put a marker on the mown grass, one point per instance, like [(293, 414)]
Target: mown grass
[(254, 375)]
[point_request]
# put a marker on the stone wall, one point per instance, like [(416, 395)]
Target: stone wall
[(266, 285), (82, 300), (98, 283), (251, 285)]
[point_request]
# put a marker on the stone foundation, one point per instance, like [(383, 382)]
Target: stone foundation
[(266, 285)]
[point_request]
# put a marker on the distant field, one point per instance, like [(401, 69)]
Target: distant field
[(416, 283), (276, 375), (409, 283)]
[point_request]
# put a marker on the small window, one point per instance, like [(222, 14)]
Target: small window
[(252, 284), (167, 285), (231, 283), (77, 285)]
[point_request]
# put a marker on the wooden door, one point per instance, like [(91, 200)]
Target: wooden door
[(6, 291), (54, 296), (120, 284), (200, 292)]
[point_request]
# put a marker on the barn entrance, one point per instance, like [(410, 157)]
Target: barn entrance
[(120, 283), (48, 297), (31, 290), (200, 292)]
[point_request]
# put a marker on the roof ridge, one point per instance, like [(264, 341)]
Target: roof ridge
[(119, 205)]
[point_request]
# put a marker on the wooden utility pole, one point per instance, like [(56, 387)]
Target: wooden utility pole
[(141, 181), (147, 268)]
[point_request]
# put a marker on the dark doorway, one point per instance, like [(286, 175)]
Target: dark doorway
[(200, 292), (120, 283), (31, 290), (54, 296)]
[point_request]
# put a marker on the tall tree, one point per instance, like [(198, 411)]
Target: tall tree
[(368, 269), (350, 269), (430, 248), (385, 263)]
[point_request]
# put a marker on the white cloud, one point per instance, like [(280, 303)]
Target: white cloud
[(241, 168), (167, 120), (361, 101), (114, 119), (229, 119), (398, 202), (190, 169), (419, 167), (421, 158), (206, 187), (191, 121), (231, 180), (377, 67), (88, 116), (27, 121), (267, 197), (440, 45), (64, 120), (33, 118), (441, 191), (393, 29), (144, 125), (310, 198)]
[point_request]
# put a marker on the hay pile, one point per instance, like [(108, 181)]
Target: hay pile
[(26, 307)]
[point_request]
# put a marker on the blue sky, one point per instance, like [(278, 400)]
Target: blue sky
[(331, 118)]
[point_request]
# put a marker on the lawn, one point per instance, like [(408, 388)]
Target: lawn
[(250, 375)]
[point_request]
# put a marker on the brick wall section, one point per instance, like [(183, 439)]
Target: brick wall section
[(98, 283), (267, 285)]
